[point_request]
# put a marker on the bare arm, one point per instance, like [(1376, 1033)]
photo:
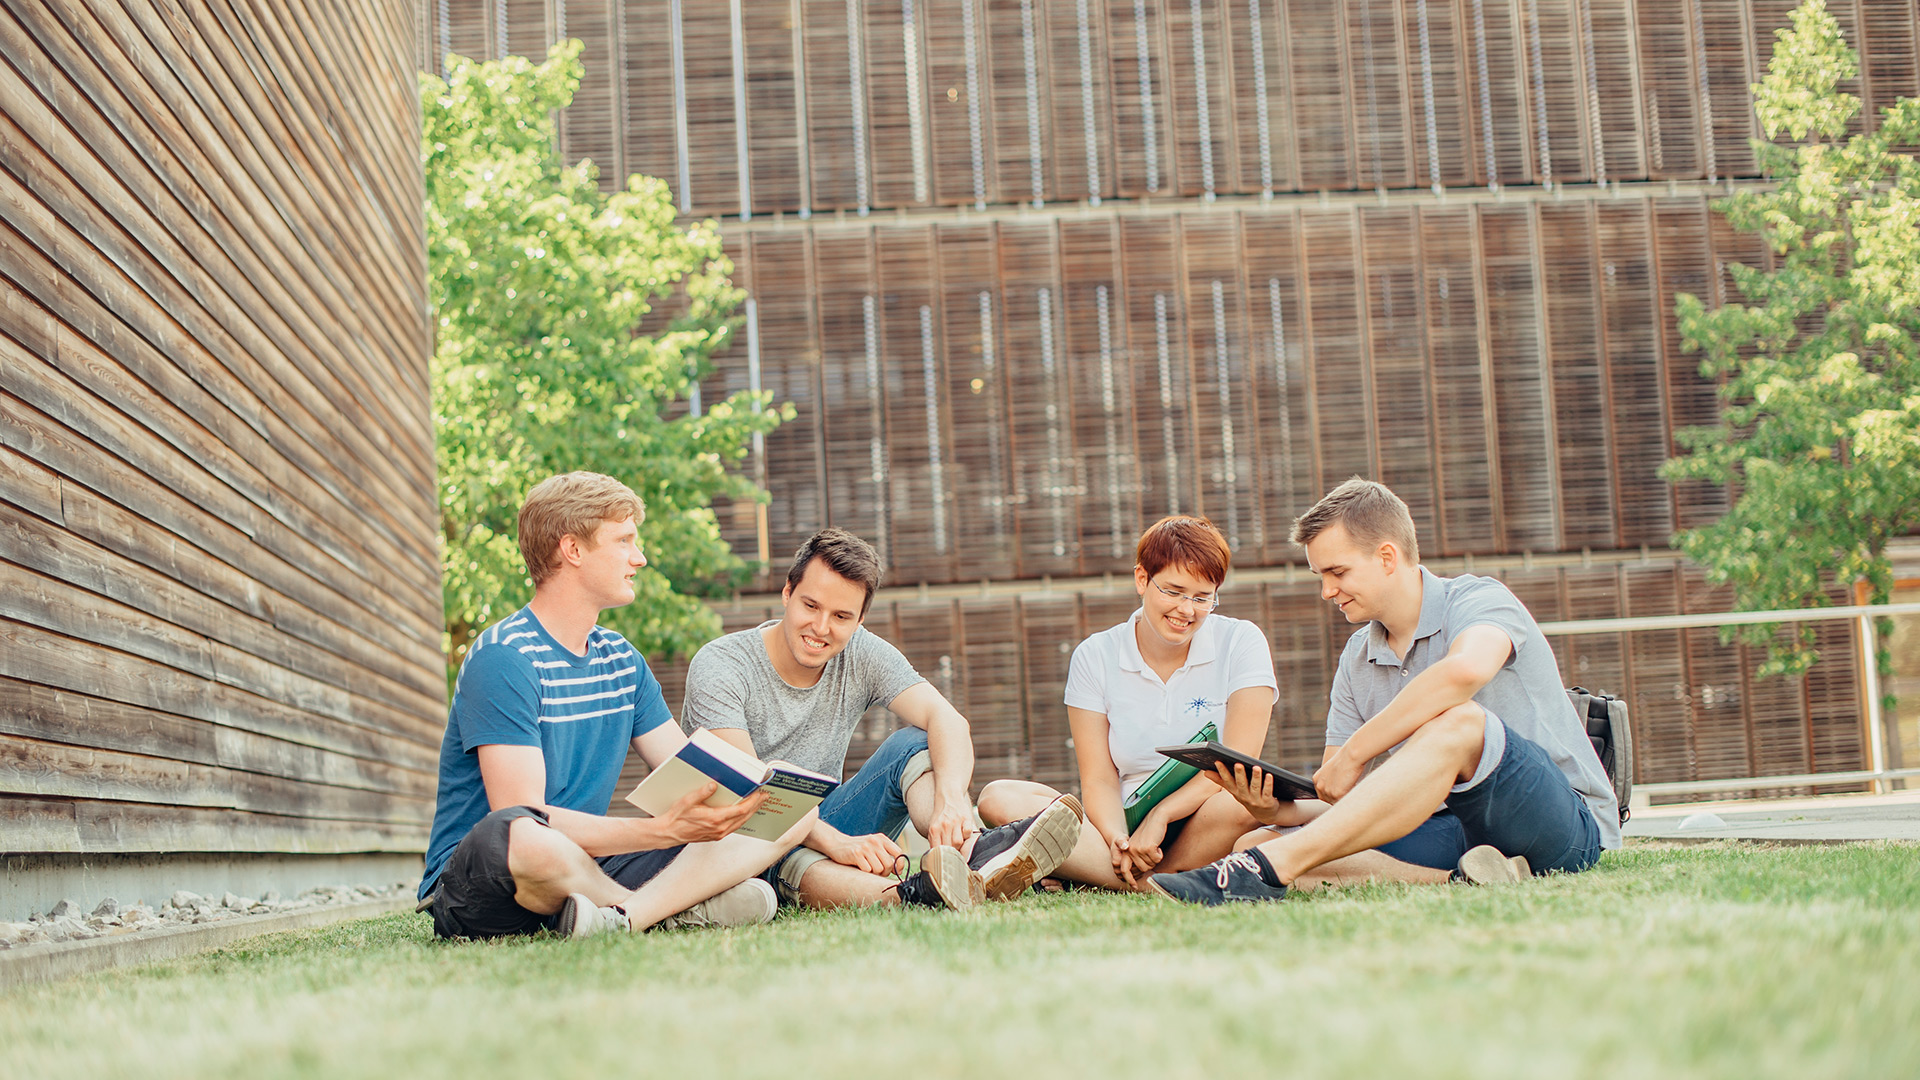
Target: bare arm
[(517, 776), (950, 746), (1475, 657)]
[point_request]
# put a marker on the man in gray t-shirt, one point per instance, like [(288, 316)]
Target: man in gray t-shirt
[(794, 688), (1450, 695)]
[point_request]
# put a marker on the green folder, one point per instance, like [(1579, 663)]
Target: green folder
[(1167, 779)]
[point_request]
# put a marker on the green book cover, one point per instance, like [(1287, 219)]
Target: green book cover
[(1167, 779)]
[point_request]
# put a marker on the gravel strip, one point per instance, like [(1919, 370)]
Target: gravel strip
[(66, 922)]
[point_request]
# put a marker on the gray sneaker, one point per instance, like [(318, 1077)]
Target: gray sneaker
[(580, 917), (749, 903), (1484, 865), (1013, 857)]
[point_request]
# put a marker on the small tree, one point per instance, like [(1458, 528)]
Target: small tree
[(1819, 370), (539, 284)]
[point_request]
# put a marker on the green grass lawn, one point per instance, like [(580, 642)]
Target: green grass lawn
[(1717, 960)]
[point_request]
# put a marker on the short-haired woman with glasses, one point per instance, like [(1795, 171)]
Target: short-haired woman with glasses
[(1156, 679)]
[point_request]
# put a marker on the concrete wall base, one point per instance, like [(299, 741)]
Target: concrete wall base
[(36, 882)]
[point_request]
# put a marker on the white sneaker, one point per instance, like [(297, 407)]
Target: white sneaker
[(1484, 865), (747, 904), (580, 917)]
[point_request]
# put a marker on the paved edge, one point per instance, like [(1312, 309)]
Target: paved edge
[(34, 964), (1777, 841)]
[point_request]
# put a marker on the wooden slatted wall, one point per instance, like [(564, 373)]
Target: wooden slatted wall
[(1026, 391), (219, 583)]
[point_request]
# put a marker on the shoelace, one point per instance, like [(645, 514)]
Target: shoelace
[(1240, 859)]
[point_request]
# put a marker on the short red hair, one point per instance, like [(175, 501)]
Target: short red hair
[(1191, 543)]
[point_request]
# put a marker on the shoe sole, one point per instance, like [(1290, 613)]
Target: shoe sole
[(1154, 889), (567, 923), (1484, 865), (952, 878), (1039, 852)]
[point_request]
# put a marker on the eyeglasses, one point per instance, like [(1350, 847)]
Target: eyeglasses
[(1208, 602)]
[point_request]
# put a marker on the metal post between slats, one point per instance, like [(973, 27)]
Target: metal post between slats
[(971, 49), (1171, 459), (1426, 94), (1200, 104), (1056, 485), (446, 38), (1280, 380), (1146, 96), (500, 29), (740, 146), (876, 443), (759, 438), (916, 106), (1373, 94), (1223, 378), (1542, 144), (857, 97), (1116, 539), (1086, 104), (1032, 64), (1486, 93), (1258, 40), (995, 461), (680, 139), (1593, 91), (930, 377), (1699, 31)]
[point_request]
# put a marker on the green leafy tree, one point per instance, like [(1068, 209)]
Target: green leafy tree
[(1819, 369), (540, 284)]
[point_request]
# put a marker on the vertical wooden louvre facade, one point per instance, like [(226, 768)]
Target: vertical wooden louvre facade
[(219, 587), (1036, 272)]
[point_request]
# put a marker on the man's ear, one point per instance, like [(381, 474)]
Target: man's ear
[(570, 549), (786, 593), (1389, 557)]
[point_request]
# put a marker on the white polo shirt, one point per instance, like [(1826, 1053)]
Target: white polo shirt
[(1108, 676)]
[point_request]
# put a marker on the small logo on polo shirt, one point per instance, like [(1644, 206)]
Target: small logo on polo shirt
[(1199, 705)]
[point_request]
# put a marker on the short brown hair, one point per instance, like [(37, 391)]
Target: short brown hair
[(845, 554), (1185, 541), (572, 504), (1372, 514)]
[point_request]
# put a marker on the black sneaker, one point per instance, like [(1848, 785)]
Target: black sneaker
[(1234, 878), (944, 880), (1012, 857)]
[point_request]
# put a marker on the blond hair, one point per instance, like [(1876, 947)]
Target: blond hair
[(1371, 513), (572, 504)]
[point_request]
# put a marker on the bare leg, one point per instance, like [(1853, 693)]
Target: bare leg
[(1359, 867), (828, 884), (546, 867), (1209, 834), (1393, 800), (919, 800)]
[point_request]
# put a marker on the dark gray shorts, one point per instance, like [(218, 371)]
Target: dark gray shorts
[(474, 896)]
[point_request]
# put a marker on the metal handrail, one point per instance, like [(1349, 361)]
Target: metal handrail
[(1877, 774)]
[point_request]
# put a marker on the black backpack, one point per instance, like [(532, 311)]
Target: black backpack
[(1605, 717)]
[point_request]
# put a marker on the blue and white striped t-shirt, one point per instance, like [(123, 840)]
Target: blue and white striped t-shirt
[(520, 687)]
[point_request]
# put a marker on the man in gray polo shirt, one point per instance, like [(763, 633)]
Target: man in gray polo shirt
[(1487, 772)]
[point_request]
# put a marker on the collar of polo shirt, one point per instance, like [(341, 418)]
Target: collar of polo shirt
[(1201, 650), (1433, 608)]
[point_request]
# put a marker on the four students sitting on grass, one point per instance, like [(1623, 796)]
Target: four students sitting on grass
[(1448, 691)]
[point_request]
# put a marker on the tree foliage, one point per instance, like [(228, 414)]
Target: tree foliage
[(539, 284), (1819, 368)]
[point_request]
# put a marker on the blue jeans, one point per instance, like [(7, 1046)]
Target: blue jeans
[(1524, 807), (870, 801)]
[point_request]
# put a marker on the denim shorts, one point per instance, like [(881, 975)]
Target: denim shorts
[(1524, 807)]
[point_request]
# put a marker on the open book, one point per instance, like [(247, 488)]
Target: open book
[(791, 790)]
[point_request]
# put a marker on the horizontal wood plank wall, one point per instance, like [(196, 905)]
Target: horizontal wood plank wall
[(219, 582), (990, 393)]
